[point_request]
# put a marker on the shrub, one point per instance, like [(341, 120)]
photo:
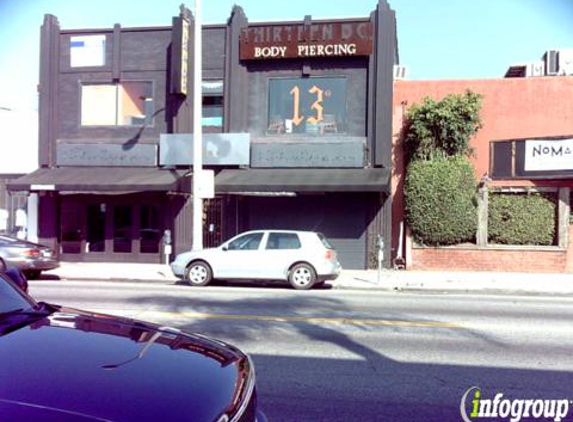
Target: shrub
[(521, 219), (440, 199), (442, 128)]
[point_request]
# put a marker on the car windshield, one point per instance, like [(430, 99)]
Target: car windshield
[(12, 299), (325, 241)]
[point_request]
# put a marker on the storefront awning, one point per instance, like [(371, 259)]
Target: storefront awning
[(303, 180), (102, 179)]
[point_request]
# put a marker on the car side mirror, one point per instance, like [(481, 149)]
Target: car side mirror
[(225, 248)]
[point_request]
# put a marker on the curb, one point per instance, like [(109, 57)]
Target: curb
[(362, 285)]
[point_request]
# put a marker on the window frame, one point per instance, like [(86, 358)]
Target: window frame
[(149, 120), (321, 128), (205, 95)]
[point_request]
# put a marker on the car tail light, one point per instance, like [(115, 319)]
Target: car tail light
[(30, 253), (329, 254)]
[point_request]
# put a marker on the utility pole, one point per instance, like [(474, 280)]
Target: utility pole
[(197, 131)]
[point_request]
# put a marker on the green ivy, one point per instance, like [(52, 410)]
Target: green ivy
[(440, 197), (442, 128), (521, 219)]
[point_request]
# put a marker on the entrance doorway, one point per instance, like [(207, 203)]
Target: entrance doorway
[(213, 222), (105, 228)]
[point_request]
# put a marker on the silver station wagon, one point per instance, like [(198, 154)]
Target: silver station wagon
[(302, 258)]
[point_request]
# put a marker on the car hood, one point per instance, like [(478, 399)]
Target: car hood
[(201, 253), (103, 367)]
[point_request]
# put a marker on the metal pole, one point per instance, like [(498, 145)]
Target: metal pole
[(197, 132)]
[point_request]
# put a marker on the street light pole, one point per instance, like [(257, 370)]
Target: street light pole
[(197, 131)]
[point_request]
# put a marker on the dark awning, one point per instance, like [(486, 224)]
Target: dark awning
[(102, 179), (303, 180)]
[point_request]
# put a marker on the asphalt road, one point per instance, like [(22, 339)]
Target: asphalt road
[(345, 356)]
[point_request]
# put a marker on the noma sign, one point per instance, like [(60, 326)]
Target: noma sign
[(548, 155), (334, 39)]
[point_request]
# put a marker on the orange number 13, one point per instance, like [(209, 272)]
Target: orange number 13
[(297, 118)]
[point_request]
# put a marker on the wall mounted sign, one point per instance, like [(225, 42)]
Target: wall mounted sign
[(139, 155), (180, 55), (219, 149), (338, 152), (334, 39), (548, 155), (314, 106)]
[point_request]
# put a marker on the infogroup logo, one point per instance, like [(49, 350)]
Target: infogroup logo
[(474, 407)]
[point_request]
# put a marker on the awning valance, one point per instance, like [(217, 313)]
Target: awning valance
[(303, 180), (102, 179)]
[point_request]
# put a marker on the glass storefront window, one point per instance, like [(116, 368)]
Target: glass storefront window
[(100, 229), (122, 228), (70, 229), (124, 104), (95, 238), (149, 229), (311, 106)]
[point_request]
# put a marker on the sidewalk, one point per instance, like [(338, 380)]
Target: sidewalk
[(389, 280)]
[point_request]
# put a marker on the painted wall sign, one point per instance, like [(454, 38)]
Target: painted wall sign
[(547, 155), (334, 39)]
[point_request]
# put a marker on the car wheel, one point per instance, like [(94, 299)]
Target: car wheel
[(198, 273), (302, 276)]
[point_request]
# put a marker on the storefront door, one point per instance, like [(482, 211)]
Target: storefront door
[(104, 228)]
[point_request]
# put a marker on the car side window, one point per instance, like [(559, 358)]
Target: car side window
[(247, 242), (283, 241)]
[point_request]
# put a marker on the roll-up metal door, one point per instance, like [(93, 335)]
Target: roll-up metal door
[(342, 218)]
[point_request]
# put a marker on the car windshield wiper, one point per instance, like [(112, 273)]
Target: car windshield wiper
[(16, 318), (9, 313), (40, 309)]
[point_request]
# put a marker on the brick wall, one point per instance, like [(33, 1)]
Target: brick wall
[(550, 260)]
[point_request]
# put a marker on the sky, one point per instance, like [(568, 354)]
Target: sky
[(437, 39)]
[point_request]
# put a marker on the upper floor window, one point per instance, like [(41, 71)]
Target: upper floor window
[(212, 118), (122, 104), (313, 106), (87, 50)]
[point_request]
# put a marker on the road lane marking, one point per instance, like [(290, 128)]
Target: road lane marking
[(272, 318)]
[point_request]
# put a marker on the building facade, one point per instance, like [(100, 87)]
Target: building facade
[(525, 145), (297, 124)]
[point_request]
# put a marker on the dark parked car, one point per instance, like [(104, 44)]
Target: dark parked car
[(30, 258), (61, 364), (18, 277)]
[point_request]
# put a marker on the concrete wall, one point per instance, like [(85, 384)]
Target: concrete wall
[(512, 108)]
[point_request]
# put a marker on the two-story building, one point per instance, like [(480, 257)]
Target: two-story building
[(297, 123)]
